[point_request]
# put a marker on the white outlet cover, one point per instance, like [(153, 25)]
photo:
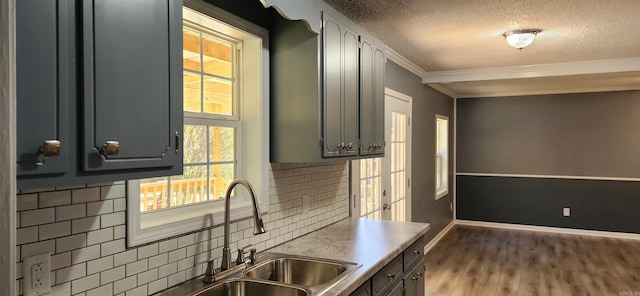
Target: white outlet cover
[(32, 284), (566, 212)]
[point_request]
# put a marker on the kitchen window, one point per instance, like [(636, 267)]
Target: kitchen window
[(442, 156), (225, 129)]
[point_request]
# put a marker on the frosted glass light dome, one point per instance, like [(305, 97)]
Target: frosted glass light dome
[(521, 38)]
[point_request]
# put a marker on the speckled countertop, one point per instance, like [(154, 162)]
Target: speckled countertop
[(372, 243)]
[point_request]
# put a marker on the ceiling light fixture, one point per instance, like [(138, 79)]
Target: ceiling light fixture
[(521, 38)]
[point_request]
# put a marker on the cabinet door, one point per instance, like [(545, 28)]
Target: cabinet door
[(132, 84), (340, 81), (42, 66), (371, 98), (378, 100), (364, 290), (414, 281)]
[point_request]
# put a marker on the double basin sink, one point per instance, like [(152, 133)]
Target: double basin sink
[(282, 275)]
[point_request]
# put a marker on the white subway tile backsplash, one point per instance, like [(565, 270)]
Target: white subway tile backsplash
[(36, 248), (37, 217), (137, 267), (85, 195), (54, 230), (54, 199), (177, 278), (159, 260), (147, 251), (85, 283), (71, 212), (101, 291), (85, 254), (99, 207), (139, 291), (99, 265), (27, 202), (26, 235), (113, 247), (71, 273), (118, 190), (147, 276), (168, 269), (99, 236), (112, 219), (157, 286), (168, 245), (112, 275), (69, 243), (85, 226), (125, 284), (125, 257)]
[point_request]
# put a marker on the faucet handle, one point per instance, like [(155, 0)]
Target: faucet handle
[(253, 258), (241, 252)]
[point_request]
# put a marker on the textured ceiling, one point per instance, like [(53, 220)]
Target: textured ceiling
[(444, 35)]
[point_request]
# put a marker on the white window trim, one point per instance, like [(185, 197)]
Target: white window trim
[(442, 192), (254, 111)]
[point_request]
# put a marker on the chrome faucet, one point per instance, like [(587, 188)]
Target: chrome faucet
[(257, 229)]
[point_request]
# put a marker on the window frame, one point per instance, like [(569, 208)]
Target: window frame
[(443, 153), (252, 134)]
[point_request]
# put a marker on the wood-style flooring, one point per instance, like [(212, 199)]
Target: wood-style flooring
[(485, 261)]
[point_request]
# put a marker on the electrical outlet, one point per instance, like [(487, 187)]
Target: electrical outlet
[(451, 206), (306, 203), (36, 272), (566, 212)]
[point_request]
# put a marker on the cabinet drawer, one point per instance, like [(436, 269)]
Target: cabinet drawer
[(413, 254), (397, 290), (388, 276)]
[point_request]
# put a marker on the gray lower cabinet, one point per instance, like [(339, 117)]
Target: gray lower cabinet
[(414, 281), (99, 91), (364, 290), (404, 275)]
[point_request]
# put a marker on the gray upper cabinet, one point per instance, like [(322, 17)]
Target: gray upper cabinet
[(316, 88), (43, 60), (372, 62), (132, 84), (99, 91), (340, 73)]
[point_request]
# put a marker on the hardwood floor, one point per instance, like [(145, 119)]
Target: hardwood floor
[(485, 261)]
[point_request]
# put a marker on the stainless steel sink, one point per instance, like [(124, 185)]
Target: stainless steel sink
[(242, 287), (312, 273)]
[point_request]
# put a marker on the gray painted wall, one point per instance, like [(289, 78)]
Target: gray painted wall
[(568, 135), (593, 134), (426, 104)]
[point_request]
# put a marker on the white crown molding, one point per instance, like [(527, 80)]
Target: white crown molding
[(559, 230), (302, 10), (404, 63), (543, 91), (533, 71), (444, 90)]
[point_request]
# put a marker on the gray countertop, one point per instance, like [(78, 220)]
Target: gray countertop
[(372, 243)]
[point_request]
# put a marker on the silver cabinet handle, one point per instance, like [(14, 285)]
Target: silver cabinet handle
[(416, 252), (177, 142), (111, 148)]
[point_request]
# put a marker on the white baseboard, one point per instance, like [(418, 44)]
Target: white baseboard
[(438, 237), (595, 233)]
